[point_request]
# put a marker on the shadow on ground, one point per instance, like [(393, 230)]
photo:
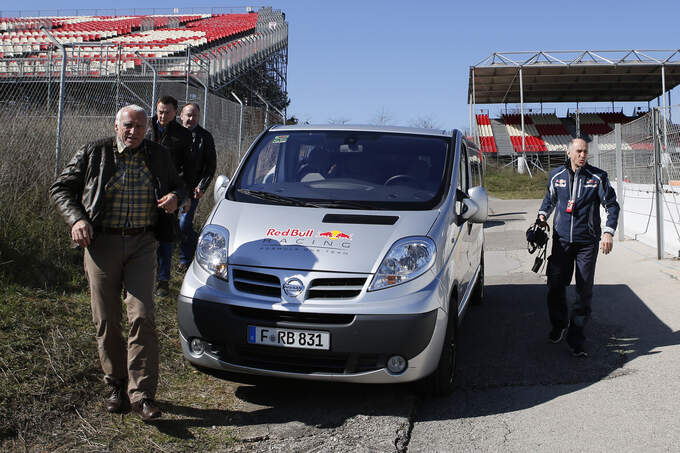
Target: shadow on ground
[(504, 344), (272, 401)]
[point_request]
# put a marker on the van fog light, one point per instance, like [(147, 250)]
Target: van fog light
[(396, 364), (197, 347)]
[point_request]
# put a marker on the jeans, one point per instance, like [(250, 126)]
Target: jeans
[(187, 247), (560, 270), (164, 260)]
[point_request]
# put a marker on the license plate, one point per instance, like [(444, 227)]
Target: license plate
[(289, 338)]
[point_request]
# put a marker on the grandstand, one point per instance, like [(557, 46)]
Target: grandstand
[(220, 47)]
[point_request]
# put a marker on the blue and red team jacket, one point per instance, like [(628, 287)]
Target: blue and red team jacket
[(585, 190)]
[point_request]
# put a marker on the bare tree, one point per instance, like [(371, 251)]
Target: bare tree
[(383, 117), (426, 122), (338, 120)]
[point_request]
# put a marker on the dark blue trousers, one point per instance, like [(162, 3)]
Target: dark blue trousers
[(561, 263)]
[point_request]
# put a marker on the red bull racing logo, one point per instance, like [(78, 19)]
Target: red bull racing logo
[(335, 234), (334, 242)]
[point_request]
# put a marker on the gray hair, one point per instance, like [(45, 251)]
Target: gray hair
[(193, 104), (131, 107)]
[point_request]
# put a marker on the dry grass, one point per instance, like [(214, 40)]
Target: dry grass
[(51, 388)]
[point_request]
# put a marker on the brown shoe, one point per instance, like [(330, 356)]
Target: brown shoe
[(117, 400), (146, 408)]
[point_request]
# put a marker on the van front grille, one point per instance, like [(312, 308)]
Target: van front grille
[(259, 315), (335, 288), (301, 361), (257, 283)]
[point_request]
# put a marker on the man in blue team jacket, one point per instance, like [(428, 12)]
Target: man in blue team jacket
[(575, 192)]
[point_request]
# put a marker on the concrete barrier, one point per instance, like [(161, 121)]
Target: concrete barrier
[(639, 213)]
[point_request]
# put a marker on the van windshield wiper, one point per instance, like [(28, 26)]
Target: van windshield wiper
[(276, 198), (344, 204)]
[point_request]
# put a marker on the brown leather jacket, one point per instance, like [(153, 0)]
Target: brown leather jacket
[(78, 192)]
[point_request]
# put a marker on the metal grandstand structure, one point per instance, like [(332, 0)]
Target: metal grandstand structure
[(58, 70), (642, 156), (572, 76)]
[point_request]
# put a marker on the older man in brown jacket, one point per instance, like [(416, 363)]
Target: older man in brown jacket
[(117, 195)]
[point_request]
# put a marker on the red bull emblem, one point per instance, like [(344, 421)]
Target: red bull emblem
[(335, 234)]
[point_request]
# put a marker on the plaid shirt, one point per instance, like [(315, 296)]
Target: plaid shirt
[(129, 195)]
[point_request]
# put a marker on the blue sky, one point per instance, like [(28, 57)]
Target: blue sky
[(407, 61)]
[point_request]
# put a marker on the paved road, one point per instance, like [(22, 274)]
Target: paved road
[(515, 392)]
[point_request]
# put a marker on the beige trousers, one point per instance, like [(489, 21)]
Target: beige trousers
[(111, 263)]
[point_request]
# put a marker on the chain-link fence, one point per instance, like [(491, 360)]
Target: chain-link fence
[(642, 159), (48, 110)]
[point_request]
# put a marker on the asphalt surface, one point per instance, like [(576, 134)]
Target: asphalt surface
[(515, 391)]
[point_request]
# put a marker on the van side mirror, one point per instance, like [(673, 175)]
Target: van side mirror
[(477, 205), (221, 184)]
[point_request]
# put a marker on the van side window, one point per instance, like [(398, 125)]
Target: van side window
[(266, 165), (475, 168)]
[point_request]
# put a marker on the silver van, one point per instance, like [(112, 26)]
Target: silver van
[(339, 253)]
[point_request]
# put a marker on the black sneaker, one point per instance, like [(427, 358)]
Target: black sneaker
[(557, 334), (162, 289), (578, 350)]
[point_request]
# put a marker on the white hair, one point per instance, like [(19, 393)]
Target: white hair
[(131, 107)]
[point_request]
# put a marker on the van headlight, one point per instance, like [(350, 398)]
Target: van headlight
[(408, 258), (213, 249)]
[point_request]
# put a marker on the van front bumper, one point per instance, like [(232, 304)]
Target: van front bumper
[(360, 344)]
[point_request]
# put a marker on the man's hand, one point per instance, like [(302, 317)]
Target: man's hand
[(542, 221), (168, 203), (82, 233), (198, 193), (607, 243)]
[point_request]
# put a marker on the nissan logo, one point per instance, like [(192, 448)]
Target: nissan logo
[(293, 287)]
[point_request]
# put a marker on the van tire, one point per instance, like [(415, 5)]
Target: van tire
[(477, 296), (441, 381)]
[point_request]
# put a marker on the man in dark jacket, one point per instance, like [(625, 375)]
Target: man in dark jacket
[(172, 135), (116, 195), (203, 160), (575, 192)]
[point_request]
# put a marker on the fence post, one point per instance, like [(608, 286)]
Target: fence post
[(658, 186), (60, 112), (186, 94), (155, 80), (240, 125), (595, 150), (619, 179), (49, 79), (118, 69)]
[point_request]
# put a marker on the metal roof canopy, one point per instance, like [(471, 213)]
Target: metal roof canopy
[(574, 76)]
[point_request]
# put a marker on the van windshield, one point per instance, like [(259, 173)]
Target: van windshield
[(345, 169)]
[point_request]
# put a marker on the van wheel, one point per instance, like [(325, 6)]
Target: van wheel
[(477, 296), (441, 382)]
